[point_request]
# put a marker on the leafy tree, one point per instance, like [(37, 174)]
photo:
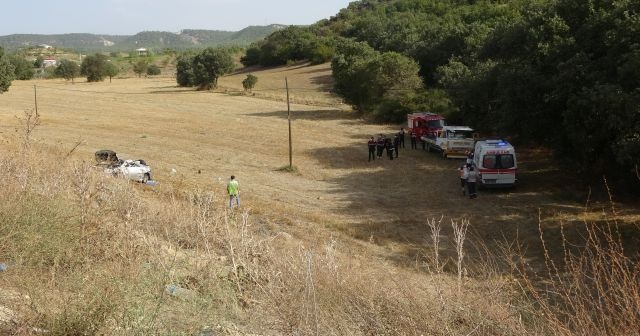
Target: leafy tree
[(184, 70), (368, 79), (153, 70), (252, 56), (564, 75), (250, 82), (291, 44), (286, 44), (349, 71), (39, 62), (209, 65), (94, 67), (321, 50), (23, 69), (140, 67), (67, 69), (7, 74), (111, 70)]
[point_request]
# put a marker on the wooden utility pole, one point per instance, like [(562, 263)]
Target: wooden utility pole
[(286, 83), (35, 98)]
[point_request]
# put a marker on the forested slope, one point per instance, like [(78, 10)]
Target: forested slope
[(563, 74)]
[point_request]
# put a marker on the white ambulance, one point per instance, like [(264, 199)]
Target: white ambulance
[(496, 163)]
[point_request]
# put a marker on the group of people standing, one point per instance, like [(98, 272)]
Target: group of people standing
[(378, 146), (469, 177)]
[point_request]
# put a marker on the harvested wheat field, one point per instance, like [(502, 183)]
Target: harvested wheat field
[(376, 211), (207, 136)]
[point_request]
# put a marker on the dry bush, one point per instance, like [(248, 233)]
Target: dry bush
[(62, 236), (590, 287), (320, 290)]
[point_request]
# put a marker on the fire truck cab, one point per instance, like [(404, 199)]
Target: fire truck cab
[(496, 163), (425, 124)]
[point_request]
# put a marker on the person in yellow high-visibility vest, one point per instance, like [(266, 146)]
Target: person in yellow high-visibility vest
[(234, 191)]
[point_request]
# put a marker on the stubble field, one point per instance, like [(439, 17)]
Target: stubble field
[(207, 136)]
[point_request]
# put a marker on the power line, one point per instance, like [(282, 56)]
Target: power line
[(284, 90)]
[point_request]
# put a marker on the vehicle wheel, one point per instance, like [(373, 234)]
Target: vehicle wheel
[(146, 178)]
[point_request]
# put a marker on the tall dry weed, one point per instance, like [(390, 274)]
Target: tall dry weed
[(593, 288)]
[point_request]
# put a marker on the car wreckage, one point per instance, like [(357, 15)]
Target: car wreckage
[(135, 170)]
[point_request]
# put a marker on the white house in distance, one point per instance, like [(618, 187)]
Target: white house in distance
[(49, 62), (142, 51)]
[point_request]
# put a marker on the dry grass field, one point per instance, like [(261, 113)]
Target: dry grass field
[(377, 211)]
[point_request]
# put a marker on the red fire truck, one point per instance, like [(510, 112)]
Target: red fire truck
[(425, 124)]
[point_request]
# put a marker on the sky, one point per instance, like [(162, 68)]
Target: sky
[(127, 17)]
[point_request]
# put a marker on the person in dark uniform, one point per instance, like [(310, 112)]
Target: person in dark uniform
[(380, 145), (396, 144), (372, 149), (389, 146), (414, 138), (401, 134), (469, 157)]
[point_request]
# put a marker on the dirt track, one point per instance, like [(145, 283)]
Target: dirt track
[(386, 202)]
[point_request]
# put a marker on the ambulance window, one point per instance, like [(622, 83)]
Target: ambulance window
[(489, 161), (506, 161)]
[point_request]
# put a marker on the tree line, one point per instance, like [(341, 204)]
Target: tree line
[(95, 67)]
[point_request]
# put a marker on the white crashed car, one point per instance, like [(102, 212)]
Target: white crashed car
[(136, 170)]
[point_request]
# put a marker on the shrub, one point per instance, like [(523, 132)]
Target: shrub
[(153, 70), (141, 67), (252, 56), (249, 82), (184, 70), (94, 67), (23, 69)]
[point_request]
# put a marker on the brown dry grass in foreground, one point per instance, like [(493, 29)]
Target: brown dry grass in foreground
[(89, 254)]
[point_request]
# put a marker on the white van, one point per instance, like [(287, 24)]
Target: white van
[(496, 163)]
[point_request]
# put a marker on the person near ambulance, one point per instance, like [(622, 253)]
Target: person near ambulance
[(472, 179), (464, 175)]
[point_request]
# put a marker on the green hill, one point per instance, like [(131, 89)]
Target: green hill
[(188, 38)]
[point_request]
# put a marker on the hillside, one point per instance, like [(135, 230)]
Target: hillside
[(340, 247), (508, 68), (185, 39)]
